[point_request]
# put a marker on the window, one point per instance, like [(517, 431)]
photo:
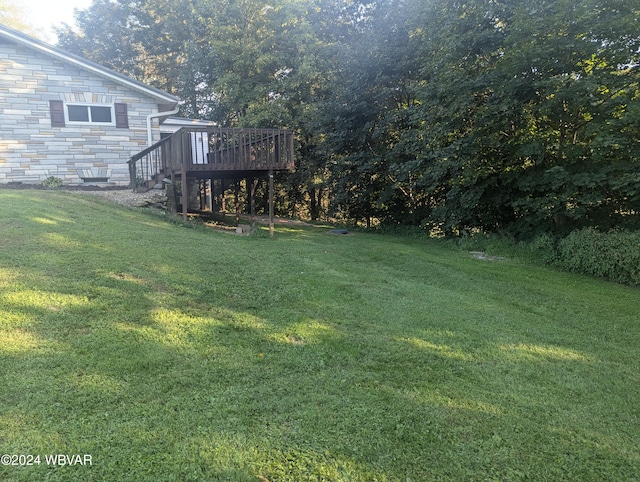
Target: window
[(92, 114), (106, 115)]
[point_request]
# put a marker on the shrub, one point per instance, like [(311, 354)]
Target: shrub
[(614, 255), (52, 182), (544, 247), (399, 230)]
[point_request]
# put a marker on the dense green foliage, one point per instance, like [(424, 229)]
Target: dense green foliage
[(614, 255), (510, 116), (173, 354)]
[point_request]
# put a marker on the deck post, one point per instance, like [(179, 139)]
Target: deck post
[(132, 176), (184, 195), (184, 192), (223, 200), (236, 198), (172, 202), (211, 194), (271, 189), (251, 188), (291, 148)]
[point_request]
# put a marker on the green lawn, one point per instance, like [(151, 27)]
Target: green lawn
[(175, 354)]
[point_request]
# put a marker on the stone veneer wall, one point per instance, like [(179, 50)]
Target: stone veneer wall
[(31, 150)]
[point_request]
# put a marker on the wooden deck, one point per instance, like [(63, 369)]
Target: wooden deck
[(212, 153)]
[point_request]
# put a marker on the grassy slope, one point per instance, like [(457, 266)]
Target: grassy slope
[(183, 354)]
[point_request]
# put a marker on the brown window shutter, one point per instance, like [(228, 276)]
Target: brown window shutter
[(122, 119), (56, 108)]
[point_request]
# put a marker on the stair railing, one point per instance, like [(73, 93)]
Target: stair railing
[(147, 166)]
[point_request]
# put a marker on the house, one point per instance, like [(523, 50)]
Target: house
[(65, 116)]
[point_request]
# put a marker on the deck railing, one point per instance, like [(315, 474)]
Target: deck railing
[(146, 166), (210, 151)]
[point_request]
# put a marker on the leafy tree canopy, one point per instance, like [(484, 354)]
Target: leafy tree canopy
[(502, 116), (13, 14)]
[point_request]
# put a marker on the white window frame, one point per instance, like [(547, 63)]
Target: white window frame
[(88, 106)]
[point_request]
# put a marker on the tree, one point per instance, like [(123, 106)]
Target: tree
[(501, 116), (524, 113), (12, 14), (576, 147), (155, 41), (365, 116)]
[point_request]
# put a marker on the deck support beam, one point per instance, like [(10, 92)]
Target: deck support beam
[(271, 189), (184, 191), (251, 189), (236, 198), (223, 200), (211, 194)]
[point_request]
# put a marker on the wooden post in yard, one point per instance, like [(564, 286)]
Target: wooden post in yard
[(271, 188)]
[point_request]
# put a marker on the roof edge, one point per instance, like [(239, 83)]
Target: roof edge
[(81, 62)]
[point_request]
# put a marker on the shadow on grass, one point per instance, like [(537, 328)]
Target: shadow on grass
[(185, 355)]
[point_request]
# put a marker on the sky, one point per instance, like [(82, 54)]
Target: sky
[(44, 14)]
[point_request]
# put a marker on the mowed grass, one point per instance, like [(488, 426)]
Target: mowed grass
[(176, 354)]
